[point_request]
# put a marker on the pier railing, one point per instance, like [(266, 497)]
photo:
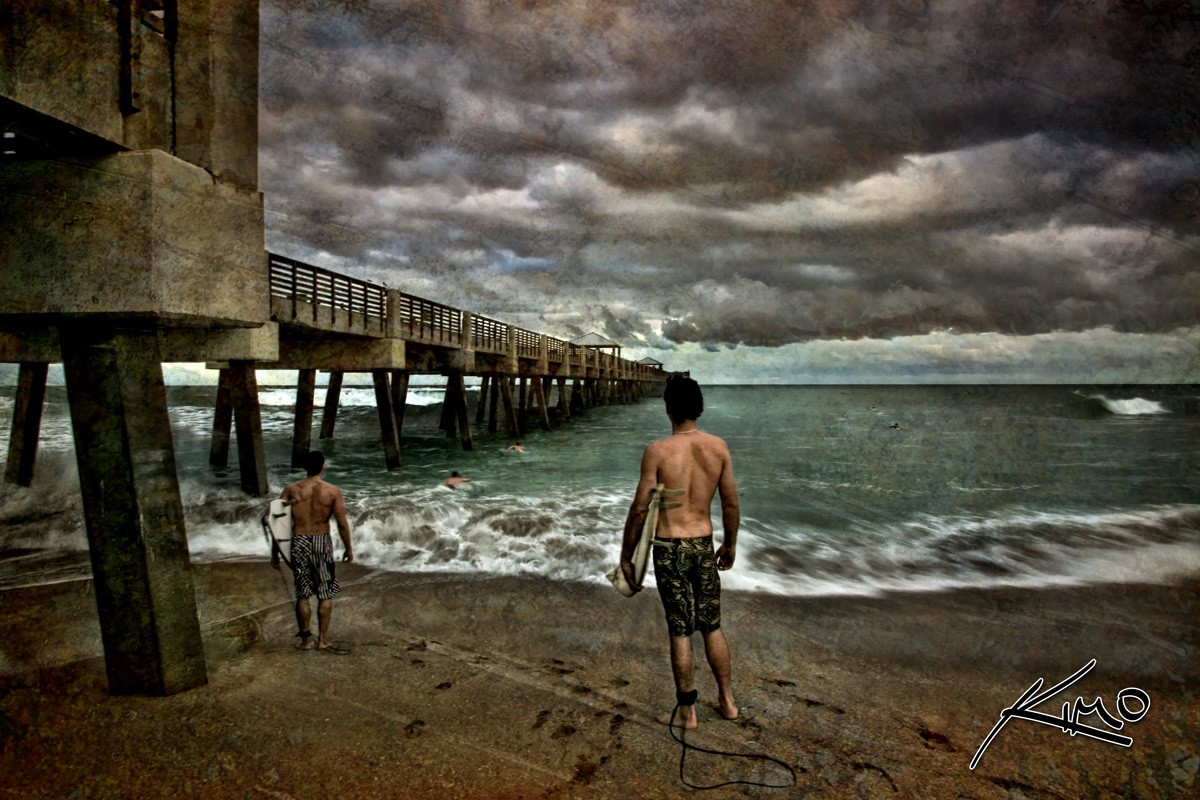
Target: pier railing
[(428, 322), (321, 288), (320, 297)]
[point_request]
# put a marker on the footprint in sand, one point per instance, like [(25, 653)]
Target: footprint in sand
[(808, 701), (541, 718), (937, 741), (563, 732), (414, 728), (558, 667), (444, 685)]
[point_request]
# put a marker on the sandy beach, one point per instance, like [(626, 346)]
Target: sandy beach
[(510, 688)]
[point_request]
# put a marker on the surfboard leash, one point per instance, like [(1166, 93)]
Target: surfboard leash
[(689, 699)]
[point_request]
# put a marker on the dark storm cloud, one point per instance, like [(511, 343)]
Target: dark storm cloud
[(747, 172)]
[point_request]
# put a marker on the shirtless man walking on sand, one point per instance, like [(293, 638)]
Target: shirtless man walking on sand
[(314, 501), (685, 565)]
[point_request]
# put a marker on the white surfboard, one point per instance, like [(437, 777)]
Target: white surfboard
[(641, 553), (277, 525)]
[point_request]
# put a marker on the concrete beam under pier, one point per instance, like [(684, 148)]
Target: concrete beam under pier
[(133, 513), (175, 345), (334, 355)]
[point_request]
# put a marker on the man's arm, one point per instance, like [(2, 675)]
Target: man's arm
[(637, 515), (343, 524), (731, 515)]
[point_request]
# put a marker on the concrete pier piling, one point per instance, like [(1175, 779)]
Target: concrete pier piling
[(333, 393), (133, 512), (26, 422), (387, 418), (247, 421), (306, 387)]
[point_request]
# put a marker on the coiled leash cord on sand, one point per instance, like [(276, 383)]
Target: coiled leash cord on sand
[(689, 699)]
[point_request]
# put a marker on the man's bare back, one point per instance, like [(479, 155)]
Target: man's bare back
[(314, 502), (695, 462), (700, 464)]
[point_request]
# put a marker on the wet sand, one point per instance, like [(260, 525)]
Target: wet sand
[(512, 688)]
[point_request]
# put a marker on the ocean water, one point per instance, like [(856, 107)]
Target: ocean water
[(844, 490)]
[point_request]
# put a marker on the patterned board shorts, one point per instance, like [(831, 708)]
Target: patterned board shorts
[(686, 573), (312, 566)]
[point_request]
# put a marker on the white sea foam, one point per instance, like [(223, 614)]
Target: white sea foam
[(1130, 407), (350, 396), (451, 531)]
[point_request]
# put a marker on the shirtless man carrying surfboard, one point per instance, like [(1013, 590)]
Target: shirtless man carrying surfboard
[(685, 565), (314, 501)]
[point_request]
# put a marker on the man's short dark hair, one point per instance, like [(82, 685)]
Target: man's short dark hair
[(684, 399), (314, 462)]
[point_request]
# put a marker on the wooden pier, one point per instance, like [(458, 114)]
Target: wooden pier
[(334, 323)]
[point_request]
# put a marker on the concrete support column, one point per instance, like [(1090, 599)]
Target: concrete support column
[(481, 406), (218, 454), (333, 393), (564, 404), (449, 419), (523, 406), (247, 420), (26, 423), (387, 419), (458, 386), (509, 412), (577, 402), (306, 388), (399, 399), (539, 398), (493, 401), (134, 517)]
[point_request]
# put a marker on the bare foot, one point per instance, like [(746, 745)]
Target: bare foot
[(685, 717), (727, 709), (307, 643)]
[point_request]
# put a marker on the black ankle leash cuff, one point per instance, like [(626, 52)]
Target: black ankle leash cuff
[(686, 698)]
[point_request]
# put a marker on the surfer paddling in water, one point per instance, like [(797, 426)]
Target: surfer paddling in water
[(314, 502), (685, 565)]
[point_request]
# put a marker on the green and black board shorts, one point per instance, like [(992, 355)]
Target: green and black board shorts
[(686, 573)]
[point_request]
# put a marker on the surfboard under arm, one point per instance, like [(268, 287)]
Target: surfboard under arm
[(641, 552), (277, 525)]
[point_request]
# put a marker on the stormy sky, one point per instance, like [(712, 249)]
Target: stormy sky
[(890, 190)]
